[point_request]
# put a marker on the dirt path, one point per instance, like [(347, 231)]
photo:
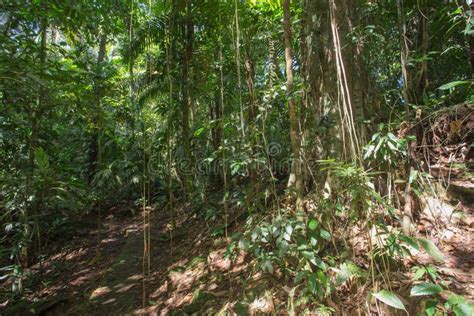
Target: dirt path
[(188, 273), (121, 285)]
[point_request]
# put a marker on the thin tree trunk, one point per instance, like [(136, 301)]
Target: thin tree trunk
[(237, 62), (249, 65), (215, 113), (36, 117), (407, 209), (471, 42), (186, 102), (273, 65), (98, 92), (424, 80), (131, 84), (297, 186)]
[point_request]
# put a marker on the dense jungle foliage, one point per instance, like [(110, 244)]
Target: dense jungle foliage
[(327, 146)]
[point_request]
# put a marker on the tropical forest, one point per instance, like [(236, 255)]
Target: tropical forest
[(237, 157)]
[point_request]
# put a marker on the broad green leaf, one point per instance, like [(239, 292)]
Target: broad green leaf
[(230, 249), (419, 273), (431, 249), (430, 307), (244, 244), (346, 270), (413, 176), (425, 288), (459, 305), (313, 285), (453, 84), (267, 266), (41, 158), (300, 276), (409, 241), (313, 224), (390, 299), (454, 299), (199, 131), (463, 309), (342, 276), (325, 234)]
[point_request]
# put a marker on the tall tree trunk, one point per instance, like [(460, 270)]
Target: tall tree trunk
[(318, 70), (297, 184), (36, 115), (471, 40), (353, 57), (131, 84), (314, 61), (98, 93), (424, 79), (249, 65), (407, 209), (273, 64), (186, 101), (215, 113), (237, 63)]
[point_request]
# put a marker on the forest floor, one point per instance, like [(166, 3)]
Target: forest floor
[(100, 272), (187, 275)]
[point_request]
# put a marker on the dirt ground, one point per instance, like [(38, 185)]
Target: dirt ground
[(188, 274)]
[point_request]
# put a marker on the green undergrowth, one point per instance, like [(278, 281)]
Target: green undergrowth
[(303, 250)]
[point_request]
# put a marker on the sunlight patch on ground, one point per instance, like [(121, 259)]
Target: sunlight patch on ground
[(184, 280), (99, 292)]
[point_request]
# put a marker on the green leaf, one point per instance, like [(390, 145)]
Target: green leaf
[(419, 273), (199, 131), (313, 224), (432, 272), (267, 266), (313, 285), (430, 307), (460, 306), (300, 276), (342, 276), (390, 299), (463, 309), (347, 270), (453, 84), (409, 241), (230, 249), (325, 234), (431, 249), (425, 288), (41, 158), (454, 299), (413, 176), (244, 244)]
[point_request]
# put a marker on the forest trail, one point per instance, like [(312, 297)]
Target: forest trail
[(192, 276)]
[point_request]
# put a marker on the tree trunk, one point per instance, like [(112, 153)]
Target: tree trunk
[(215, 113), (407, 209), (186, 101), (98, 92), (131, 84), (36, 115), (296, 180), (471, 42), (249, 65)]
